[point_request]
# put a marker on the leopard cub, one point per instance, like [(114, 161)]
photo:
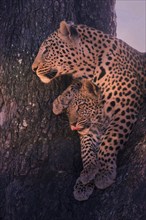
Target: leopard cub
[(85, 109)]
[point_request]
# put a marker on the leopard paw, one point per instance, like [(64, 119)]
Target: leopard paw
[(82, 192), (57, 107), (105, 178), (89, 173)]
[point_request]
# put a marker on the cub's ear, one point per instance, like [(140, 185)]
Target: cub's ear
[(67, 30), (90, 89)]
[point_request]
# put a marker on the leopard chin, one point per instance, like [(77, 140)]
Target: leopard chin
[(83, 131), (51, 74)]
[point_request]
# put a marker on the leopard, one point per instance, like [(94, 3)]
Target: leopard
[(85, 111), (115, 67)]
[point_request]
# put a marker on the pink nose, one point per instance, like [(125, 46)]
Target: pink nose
[(74, 128)]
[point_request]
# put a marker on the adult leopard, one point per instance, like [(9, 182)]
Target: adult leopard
[(111, 64), (85, 110)]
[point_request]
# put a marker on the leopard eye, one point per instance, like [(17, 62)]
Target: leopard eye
[(83, 122), (46, 50), (82, 102), (68, 111), (76, 107)]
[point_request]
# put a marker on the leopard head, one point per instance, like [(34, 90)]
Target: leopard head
[(65, 52), (85, 109)]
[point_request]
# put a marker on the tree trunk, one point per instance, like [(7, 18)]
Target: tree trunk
[(39, 155)]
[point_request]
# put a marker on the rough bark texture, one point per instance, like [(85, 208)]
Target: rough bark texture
[(39, 155)]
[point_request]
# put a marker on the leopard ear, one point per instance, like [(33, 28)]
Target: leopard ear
[(67, 30), (91, 89)]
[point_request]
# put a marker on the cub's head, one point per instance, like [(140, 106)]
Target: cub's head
[(85, 109), (65, 52)]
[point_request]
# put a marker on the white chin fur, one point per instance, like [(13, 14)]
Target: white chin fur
[(84, 131), (44, 79)]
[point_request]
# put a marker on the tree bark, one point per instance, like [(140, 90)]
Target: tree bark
[(39, 155)]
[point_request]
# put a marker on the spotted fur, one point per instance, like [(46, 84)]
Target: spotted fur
[(116, 68), (85, 110)]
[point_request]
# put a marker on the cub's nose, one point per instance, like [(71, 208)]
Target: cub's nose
[(75, 127)]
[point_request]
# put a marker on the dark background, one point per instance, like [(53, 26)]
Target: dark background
[(39, 155)]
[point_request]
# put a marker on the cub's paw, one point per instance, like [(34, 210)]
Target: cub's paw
[(105, 178), (89, 173), (57, 107), (82, 192)]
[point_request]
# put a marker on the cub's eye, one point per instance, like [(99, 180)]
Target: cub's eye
[(76, 108), (67, 111)]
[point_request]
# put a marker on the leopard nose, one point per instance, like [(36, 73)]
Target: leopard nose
[(34, 69), (74, 127)]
